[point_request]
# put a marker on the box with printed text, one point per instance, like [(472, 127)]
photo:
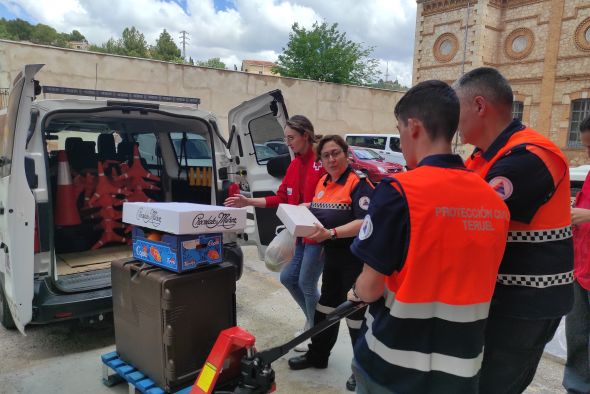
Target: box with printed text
[(184, 218)]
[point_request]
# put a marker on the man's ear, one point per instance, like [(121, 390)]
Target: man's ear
[(480, 104), (415, 126)]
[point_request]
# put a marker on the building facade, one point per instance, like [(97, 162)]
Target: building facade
[(261, 67), (541, 46)]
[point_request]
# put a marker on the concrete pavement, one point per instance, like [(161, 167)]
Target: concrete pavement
[(65, 357)]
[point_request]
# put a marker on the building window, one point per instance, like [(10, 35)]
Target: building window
[(519, 43), (582, 35), (517, 109), (445, 47), (580, 110)]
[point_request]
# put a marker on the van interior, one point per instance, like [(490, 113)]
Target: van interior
[(115, 156)]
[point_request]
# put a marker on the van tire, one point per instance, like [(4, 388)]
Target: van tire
[(5, 316)]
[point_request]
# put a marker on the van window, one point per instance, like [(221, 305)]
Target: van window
[(4, 153), (147, 148), (8, 128), (267, 135), (367, 141), (198, 150), (394, 144)]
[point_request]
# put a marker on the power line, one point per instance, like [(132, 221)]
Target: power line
[(184, 39)]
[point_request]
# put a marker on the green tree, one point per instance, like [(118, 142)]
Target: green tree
[(43, 34), (3, 30), (325, 54), (133, 43), (19, 30), (213, 62), (390, 85), (165, 48), (75, 35)]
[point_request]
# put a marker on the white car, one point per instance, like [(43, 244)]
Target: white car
[(50, 272)]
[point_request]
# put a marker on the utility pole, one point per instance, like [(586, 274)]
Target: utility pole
[(386, 71), (184, 39)]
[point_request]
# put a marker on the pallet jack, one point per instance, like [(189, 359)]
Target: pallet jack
[(235, 367)]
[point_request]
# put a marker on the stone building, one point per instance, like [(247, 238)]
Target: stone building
[(261, 67), (541, 46)]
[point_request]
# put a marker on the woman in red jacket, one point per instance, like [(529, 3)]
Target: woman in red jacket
[(301, 275)]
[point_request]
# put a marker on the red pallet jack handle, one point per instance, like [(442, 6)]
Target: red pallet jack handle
[(257, 376)]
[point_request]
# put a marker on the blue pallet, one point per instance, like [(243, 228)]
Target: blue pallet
[(134, 377)]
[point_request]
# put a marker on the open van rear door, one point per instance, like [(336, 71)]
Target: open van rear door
[(17, 210), (256, 128)]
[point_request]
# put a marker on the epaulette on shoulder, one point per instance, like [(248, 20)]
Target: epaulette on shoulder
[(360, 174)]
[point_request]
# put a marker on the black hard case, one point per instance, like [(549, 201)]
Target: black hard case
[(166, 323)]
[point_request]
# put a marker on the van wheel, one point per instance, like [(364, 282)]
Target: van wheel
[(5, 316)]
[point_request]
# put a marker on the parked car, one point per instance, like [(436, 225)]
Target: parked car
[(278, 145), (372, 164), (51, 272), (387, 145)]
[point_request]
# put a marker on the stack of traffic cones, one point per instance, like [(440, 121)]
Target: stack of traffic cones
[(66, 209)]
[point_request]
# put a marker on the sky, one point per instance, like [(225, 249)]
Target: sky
[(234, 30)]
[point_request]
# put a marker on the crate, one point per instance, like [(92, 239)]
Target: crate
[(178, 253)]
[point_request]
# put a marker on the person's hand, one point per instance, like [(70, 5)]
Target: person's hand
[(352, 297), (321, 234), (580, 215), (237, 201)]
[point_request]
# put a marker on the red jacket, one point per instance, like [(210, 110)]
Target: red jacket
[(582, 239), (299, 182)]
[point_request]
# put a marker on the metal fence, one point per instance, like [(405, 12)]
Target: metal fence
[(3, 98)]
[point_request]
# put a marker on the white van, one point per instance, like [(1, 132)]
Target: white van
[(387, 145), (50, 272)]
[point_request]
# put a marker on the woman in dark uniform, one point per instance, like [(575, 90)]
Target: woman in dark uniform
[(340, 203)]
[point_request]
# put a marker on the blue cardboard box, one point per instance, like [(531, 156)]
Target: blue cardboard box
[(177, 253)]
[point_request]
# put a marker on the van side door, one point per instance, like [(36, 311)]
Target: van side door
[(254, 126), (17, 203)]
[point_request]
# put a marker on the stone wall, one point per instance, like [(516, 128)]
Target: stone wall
[(331, 107)]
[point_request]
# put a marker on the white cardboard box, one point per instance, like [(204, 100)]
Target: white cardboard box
[(298, 219), (184, 218)]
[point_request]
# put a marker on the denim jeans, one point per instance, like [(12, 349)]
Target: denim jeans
[(576, 378), (301, 276)]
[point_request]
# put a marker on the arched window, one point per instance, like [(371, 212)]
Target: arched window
[(580, 110)]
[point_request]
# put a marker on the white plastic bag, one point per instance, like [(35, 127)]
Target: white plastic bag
[(280, 250)]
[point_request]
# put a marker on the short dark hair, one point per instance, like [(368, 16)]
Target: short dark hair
[(489, 83), (435, 104), (331, 137), (302, 125), (585, 125)]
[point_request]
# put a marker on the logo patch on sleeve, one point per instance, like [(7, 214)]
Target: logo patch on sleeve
[(366, 228), (364, 202), (502, 186)]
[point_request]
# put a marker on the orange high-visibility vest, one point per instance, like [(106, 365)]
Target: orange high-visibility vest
[(536, 274), (426, 334)]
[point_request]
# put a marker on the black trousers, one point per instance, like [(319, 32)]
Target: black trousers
[(513, 349), (341, 268)]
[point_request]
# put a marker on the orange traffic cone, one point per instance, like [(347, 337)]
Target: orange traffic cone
[(66, 209)]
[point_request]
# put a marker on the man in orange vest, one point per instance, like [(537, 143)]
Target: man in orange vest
[(576, 378), (534, 284), (431, 244)]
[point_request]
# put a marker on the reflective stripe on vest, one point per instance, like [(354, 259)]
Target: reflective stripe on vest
[(440, 310), (538, 236), (424, 362)]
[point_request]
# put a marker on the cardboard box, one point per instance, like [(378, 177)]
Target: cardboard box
[(178, 253), (298, 219), (184, 218)]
